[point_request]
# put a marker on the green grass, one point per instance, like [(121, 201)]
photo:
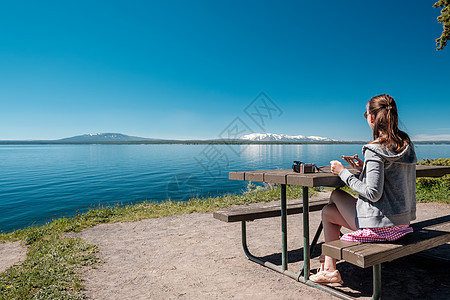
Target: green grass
[(53, 266), (431, 189), (435, 162), (51, 270)]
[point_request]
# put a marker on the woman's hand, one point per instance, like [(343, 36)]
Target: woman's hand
[(354, 161), (336, 167)]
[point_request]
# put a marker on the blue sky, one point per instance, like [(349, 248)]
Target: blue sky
[(188, 69)]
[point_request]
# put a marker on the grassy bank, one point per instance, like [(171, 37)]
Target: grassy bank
[(54, 263)]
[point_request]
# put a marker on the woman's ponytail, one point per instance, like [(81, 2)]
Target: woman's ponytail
[(384, 110)]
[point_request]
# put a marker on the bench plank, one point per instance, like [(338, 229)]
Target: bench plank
[(335, 248), (431, 171), (254, 176), (236, 175), (426, 235), (276, 176), (365, 255), (246, 213)]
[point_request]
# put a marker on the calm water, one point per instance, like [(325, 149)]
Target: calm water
[(41, 182)]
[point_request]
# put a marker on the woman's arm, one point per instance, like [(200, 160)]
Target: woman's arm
[(372, 188)]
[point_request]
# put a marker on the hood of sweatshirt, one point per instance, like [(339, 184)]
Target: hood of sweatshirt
[(407, 156)]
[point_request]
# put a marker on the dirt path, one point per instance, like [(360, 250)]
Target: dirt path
[(197, 257), (11, 254)]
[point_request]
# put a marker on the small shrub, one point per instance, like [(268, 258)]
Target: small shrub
[(435, 162)]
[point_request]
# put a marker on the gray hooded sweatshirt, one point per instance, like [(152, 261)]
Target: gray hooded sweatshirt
[(386, 187)]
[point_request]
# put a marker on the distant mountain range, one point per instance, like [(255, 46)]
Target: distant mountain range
[(254, 138), (104, 137), (284, 138)]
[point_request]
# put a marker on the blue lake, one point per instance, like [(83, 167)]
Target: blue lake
[(39, 183)]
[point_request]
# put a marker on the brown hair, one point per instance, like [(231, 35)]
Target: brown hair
[(385, 129)]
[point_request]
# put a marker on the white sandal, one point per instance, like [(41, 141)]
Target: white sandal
[(323, 276)]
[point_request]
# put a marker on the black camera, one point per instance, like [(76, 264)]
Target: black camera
[(301, 167)]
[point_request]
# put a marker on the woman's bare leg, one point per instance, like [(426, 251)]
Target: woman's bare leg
[(341, 211)]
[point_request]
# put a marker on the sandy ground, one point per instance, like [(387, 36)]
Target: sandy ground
[(198, 257), (11, 254)]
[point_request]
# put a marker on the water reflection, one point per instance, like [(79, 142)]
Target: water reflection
[(282, 156)]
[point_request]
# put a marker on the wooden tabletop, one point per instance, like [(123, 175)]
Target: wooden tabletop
[(325, 178)]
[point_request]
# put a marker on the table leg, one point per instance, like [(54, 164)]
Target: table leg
[(306, 254), (316, 238), (376, 282), (284, 252)]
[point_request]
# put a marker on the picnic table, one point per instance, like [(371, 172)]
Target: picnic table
[(324, 178)]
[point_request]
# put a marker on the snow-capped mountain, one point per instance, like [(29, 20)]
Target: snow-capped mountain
[(283, 137)]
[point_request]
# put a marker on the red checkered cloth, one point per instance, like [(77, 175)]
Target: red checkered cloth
[(382, 234)]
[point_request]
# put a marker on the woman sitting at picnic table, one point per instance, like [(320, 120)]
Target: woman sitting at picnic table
[(386, 188)]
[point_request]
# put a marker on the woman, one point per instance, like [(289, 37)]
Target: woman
[(386, 187)]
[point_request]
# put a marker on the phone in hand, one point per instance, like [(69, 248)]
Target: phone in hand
[(347, 158), (354, 161)]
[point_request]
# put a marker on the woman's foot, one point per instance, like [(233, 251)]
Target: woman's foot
[(323, 276)]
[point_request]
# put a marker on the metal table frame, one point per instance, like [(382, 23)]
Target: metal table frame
[(303, 274), (285, 177)]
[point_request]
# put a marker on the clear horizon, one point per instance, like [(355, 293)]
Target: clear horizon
[(207, 70), (435, 139)]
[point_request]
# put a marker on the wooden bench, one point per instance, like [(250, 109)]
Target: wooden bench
[(248, 213), (427, 234)]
